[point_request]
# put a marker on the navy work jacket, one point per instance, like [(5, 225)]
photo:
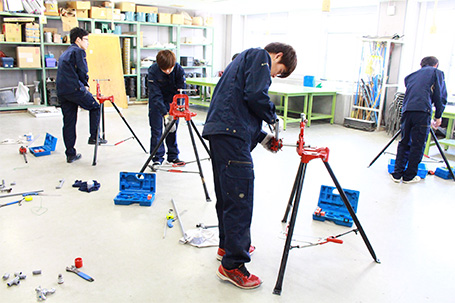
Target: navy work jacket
[(424, 88), (240, 101), (163, 87), (72, 73)]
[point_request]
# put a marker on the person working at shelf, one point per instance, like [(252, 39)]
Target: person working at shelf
[(72, 92), (165, 77), (424, 88), (233, 127)]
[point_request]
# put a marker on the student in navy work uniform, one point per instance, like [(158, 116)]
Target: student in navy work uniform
[(72, 91), (424, 88), (165, 77), (233, 127)]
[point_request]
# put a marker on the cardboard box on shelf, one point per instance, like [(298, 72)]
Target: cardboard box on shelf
[(116, 14), (98, 13), (28, 56), (209, 21), (31, 32), (198, 21), (108, 4), (146, 9), (177, 19), (51, 9), (164, 18), (79, 4), (12, 32), (126, 6), (82, 13)]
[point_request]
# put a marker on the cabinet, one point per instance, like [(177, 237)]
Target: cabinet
[(145, 39)]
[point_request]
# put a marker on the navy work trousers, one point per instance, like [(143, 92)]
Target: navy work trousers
[(234, 186), (69, 105), (415, 127), (156, 129)]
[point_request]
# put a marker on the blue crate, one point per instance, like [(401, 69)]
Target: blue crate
[(49, 146), (443, 172), (331, 207), (7, 62), (136, 188), (422, 171)]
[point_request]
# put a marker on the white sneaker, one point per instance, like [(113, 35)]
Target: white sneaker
[(154, 167), (394, 180), (413, 180)]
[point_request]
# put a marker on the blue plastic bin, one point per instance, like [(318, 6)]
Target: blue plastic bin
[(308, 81), (443, 172)]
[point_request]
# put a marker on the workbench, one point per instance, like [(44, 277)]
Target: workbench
[(284, 91), (448, 113)]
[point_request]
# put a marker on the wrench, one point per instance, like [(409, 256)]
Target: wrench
[(73, 269)]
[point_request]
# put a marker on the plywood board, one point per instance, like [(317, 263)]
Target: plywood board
[(104, 61)]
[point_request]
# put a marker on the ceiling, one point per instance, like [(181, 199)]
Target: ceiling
[(254, 6)]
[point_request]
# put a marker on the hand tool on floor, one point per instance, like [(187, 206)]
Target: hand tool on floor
[(73, 269), (185, 236), (203, 226), (23, 151), (26, 198), (25, 193), (60, 185)]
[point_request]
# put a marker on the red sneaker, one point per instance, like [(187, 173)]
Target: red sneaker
[(240, 277), (221, 252)]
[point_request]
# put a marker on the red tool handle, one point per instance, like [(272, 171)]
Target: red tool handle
[(335, 240)]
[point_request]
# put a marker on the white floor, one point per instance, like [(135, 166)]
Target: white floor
[(122, 247)]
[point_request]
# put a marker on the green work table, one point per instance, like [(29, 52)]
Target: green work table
[(284, 91), (448, 113)]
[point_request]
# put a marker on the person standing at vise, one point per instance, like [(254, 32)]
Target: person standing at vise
[(72, 92), (165, 78), (234, 127), (424, 88)]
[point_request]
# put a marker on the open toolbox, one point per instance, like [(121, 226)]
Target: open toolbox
[(422, 170), (49, 145), (136, 188), (444, 173), (331, 207)]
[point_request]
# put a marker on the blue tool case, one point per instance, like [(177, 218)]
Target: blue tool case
[(49, 145), (443, 172), (136, 188), (331, 207)]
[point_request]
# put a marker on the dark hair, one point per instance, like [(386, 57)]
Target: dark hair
[(429, 61), (235, 56), (165, 59), (289, 58), (77, 32)]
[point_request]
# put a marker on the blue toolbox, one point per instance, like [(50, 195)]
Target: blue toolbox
[(331, 207), (49, 145), (136, 188), (421, 172), (444, 173)]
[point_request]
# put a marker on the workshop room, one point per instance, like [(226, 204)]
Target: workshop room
[(227, 151)]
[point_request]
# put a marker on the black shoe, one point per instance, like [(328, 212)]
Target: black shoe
[(93, 141), (71, 159), (176, 162)]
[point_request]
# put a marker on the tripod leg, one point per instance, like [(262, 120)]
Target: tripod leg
[(442, 153), (351, 212), (200, 137), (294, 188), (131, 130), (287, 246), (95, 151), (207, 198), (102, 124), (388, 144), (155, 150)]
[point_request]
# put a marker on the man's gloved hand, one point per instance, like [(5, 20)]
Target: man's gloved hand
[(267, 143), (167, 120), (278, 123)]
